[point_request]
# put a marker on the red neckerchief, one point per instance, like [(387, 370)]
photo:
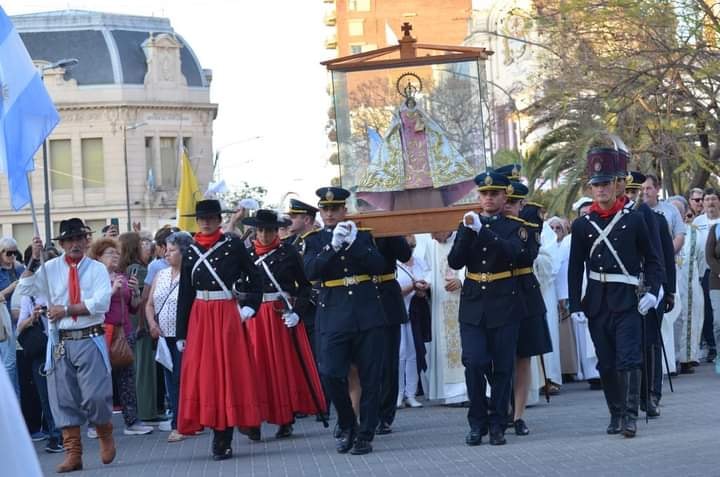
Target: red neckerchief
[(625, 199), (207, 241), (606, 214), (261, 249), (73, 281)]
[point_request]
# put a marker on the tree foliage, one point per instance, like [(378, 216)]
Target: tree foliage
[(645, 70)]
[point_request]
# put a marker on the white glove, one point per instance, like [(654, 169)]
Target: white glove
[(579, 317), (340, 232), (180, 345), (474, 224), (352, 232), (647, 301), (291, 319), (246, 313)]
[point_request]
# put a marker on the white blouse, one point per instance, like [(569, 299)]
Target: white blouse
[(165, 299)]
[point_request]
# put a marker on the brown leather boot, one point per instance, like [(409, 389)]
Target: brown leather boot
[(107, 444), (73, 450)]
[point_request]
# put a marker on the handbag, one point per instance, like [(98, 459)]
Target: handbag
[(33, 339), (121, 355)]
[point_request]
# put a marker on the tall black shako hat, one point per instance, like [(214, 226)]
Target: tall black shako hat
[(601, 165), (208, 208), (300, 207), (332, 196), (71, 228), (266, 219), (493, 181)]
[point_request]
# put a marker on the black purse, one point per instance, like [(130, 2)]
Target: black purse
[(33, 339)]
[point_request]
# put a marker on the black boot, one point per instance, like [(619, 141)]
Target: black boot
[(647, 401), (346, 439), (284, 431), (631, 400), (613, 398), (222, 444)]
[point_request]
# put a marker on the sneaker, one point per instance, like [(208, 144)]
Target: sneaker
[(412, 402), (38, 436), (137, 430), (91, 433), (175, 436), (165, 426), (53, 446)]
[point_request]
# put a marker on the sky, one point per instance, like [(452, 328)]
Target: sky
[(267, 80)]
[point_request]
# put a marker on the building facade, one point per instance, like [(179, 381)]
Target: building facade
[(136, 96)]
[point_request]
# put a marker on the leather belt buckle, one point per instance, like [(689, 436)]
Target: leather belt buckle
[(347, 281), (484, 277), (205, 295)]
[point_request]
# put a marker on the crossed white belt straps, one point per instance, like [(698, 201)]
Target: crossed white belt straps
[(603, 237), (203, 259)]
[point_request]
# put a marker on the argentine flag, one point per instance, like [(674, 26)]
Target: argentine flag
[(27, 114)]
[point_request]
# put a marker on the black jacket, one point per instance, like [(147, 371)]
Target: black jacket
[(630, 239), (494, 249), (529, 285), (345, 308), (286, 266), (393, 249), (231, 262)]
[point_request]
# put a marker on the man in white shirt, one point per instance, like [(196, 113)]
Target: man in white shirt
[(78, 366), (703, 222)]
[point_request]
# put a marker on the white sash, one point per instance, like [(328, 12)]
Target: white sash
[(603, 237)]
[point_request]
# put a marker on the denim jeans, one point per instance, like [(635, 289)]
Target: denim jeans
[(8, 357), (172, 378)]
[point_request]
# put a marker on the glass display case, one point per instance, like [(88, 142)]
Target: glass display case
[(411, 127)]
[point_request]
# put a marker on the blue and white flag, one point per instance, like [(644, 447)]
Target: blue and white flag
[(27, 114)]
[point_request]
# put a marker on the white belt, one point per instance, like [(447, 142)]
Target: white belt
[(275, 296), (614, 278), (208, 295)]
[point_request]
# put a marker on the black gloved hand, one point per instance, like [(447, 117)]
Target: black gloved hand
[(669, 302)]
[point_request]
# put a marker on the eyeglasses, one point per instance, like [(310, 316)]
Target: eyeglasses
[(10, 253), (697, 199), (111, 253)]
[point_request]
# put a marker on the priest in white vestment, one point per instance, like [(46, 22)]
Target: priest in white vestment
[(446, 373), (691, 266), (546, 268)]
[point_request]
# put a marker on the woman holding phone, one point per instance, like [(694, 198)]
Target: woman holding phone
[(124, 301)]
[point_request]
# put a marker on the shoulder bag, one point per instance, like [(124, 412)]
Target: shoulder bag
[(121, 355)]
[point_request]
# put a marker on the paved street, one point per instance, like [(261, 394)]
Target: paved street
[(567, 438)]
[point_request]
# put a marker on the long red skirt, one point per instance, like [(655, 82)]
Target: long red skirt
[(218, 385), (279, 370)]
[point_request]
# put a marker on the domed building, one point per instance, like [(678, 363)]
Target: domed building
[(137, 87)]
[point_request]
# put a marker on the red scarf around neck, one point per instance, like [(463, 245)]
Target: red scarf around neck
[(261, 249), (73, 282), (605, 214), (207, 241)]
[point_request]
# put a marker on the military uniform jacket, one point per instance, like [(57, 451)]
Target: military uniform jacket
[(345, 308), (652, 220), (286, 266), (529, 285), (393, 249), (231, 262), (629, 237), (494, 250), (668, 253)]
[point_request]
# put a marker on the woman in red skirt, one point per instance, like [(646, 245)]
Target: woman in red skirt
[(217, 382), (285, 364)]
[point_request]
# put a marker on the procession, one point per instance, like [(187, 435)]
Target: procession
[(458, 290)]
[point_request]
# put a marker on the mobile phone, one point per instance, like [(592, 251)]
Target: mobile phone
[(116, 222), (134, 272)]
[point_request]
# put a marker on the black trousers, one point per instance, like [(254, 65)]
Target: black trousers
[(390, 371), (365, 350), (488, 355), (617, 337), (707, 330)]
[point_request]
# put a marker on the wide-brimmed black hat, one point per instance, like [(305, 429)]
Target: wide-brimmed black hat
[(266, 219), (208, 208), (72, 228)]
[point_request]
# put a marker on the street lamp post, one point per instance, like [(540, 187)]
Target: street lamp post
[(64, 63), (127, 128)]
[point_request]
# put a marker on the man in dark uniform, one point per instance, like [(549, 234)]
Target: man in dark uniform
[(302, 216), (653, 321), (611, 245), (349, 316), (490, 306), (393, 249)]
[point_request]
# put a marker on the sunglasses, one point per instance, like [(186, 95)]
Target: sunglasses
[(10, 253), (697, 199)]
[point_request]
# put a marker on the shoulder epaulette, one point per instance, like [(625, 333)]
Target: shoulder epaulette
[(307, 234), (516, 219), (532, 225)]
